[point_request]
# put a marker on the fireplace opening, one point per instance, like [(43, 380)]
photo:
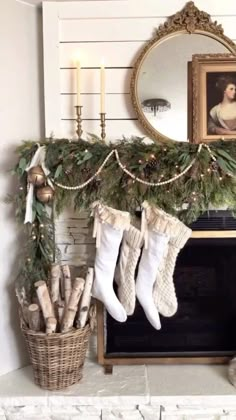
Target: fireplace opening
[(205, 323)]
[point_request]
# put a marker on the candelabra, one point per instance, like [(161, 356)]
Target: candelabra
[(79, 130), (103, 125), (79, 120)]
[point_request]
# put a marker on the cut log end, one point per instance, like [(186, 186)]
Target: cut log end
[(51, 325)]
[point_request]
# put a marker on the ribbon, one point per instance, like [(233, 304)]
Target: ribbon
[(96, 212)]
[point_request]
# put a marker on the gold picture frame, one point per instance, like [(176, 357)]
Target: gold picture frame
[(214, 97)]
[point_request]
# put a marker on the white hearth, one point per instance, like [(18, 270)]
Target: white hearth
[(130, 393)]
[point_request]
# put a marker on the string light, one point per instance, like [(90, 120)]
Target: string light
[(141, 181)]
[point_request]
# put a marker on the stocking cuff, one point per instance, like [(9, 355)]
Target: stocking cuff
[(180, 235), (134, 237), (119, 220), (156, 219)]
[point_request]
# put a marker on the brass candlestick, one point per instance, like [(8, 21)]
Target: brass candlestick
[(79, 130), (103, 125)]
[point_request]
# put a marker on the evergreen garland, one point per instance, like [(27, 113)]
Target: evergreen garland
[(208, 182)]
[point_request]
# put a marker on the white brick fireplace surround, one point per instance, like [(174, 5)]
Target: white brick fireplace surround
[(131, 393)]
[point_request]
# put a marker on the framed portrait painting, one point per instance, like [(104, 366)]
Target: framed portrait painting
[(214, 97)]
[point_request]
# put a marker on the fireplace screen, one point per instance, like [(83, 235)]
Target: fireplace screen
[(205, 323)]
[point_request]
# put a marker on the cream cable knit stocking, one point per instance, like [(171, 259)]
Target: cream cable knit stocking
[(164, 290), (156, 226), (109, 225), (125, 273)]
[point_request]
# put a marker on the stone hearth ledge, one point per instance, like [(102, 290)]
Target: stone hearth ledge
[(130, 393)]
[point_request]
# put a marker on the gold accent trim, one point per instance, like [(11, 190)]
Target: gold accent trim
[(79, 120), (190, 20), (214, 360), (103, 125), (198, 234)]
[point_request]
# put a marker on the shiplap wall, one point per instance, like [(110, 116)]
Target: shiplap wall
[(115, 30)]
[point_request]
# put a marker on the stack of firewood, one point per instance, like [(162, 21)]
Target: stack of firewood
[(60, 305)]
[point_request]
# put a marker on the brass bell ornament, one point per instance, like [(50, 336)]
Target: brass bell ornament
[(36, 176), (45, 194)]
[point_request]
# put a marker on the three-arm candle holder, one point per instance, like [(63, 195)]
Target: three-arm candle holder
[(79, 120)]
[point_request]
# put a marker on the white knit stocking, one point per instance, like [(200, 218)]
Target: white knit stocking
[(156, 225), (109, 225), (125, 273), (164, 290)]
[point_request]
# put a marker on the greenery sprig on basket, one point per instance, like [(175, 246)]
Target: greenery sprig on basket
[(209, 181)]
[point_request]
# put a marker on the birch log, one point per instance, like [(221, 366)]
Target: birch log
[(72, 306), (51, 325), (42, 321), (85, 300), (44, 300), (55, 282), (21, 296), (62, 287), (34, 317), (60, 310), (67, 282)]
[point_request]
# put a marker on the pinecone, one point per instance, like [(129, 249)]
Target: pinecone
[(215, 166), (69, 170), (152, 163), (85, 171)]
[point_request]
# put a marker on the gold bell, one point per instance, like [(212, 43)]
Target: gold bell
[(36, 176), (45, 194)]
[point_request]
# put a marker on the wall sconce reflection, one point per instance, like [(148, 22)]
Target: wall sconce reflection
[(155, 105)]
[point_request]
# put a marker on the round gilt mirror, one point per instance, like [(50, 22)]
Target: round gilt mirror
[(161, 84)]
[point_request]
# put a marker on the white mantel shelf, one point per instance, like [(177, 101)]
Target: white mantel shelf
[(130, 393)]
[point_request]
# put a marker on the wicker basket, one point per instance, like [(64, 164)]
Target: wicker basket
[(57, 359)]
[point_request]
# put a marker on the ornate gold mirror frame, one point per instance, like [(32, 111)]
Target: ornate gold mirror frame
[(190, 20)]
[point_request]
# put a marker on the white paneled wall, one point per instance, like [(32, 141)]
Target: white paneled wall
[(115, 30)]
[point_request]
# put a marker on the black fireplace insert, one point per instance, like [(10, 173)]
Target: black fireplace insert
[(205, 281)]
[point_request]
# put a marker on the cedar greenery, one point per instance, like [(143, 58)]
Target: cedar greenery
[(207, 183)]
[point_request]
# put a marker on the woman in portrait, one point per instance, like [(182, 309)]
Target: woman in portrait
[(222, 117)]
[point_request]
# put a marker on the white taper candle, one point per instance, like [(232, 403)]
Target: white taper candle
[(102, 88)]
